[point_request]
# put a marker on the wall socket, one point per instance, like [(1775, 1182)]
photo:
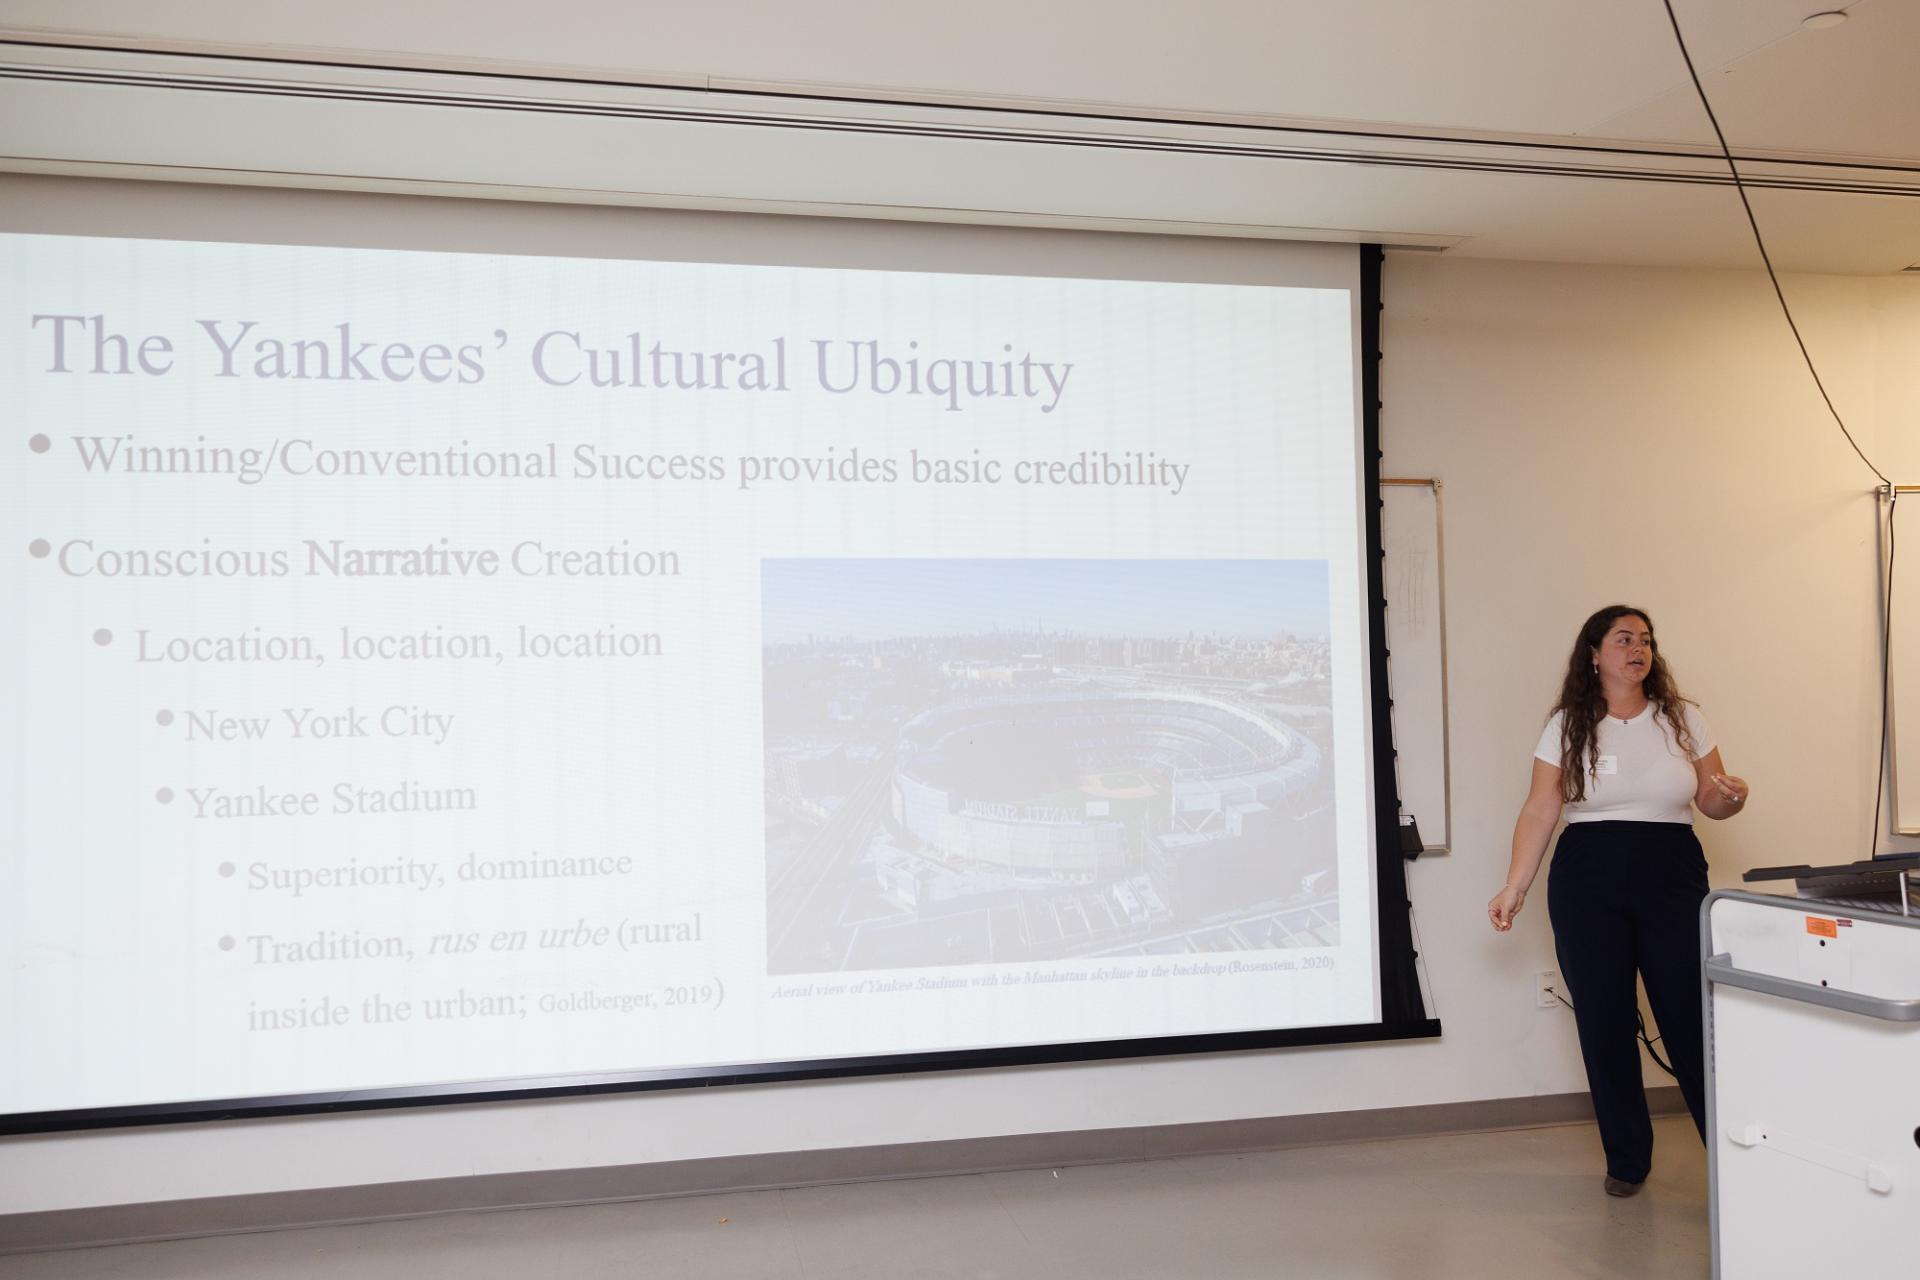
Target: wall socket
[(1546, 982)]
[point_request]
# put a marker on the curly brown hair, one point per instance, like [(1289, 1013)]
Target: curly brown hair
[(1584, 702)]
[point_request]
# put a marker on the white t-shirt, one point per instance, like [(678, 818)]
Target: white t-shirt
[(1642, 774)]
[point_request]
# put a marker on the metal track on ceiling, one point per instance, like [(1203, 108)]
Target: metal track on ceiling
[(1046, 125)]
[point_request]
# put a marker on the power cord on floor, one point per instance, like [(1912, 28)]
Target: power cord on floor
[(1640, 1029)]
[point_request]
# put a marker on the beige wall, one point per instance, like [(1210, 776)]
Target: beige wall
[(1652, 435), (1603, 433)]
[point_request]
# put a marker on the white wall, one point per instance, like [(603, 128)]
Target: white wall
[(1653, 436), (1603, 433)]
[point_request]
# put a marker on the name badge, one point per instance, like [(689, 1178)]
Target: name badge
[(1607, 764)]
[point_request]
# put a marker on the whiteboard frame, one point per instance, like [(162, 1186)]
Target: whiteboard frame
[(1903, 806)]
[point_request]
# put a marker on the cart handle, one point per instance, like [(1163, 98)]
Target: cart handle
[(1721, 969)]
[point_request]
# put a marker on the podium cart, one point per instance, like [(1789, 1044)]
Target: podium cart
[(1812, 1008)]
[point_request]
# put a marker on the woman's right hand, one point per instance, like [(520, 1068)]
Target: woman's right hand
[(1505, 906)]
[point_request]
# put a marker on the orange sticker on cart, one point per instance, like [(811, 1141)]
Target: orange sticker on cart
[(1822, 927)]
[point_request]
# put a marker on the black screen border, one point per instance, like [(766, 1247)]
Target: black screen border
[(1403, 1014)]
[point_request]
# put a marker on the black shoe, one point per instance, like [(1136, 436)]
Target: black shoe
[(1622, 1188)]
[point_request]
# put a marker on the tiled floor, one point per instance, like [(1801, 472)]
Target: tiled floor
[(1526, 1203)]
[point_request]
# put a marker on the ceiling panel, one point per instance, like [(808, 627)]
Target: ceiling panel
[(1493, 71), (1524, 66), (1853, 89)]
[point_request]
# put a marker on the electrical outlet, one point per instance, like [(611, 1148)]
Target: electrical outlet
[(1546, 982)]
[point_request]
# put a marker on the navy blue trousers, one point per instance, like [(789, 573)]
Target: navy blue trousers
[(1625, 896)]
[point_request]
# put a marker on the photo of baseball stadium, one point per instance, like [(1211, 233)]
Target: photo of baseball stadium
[(955, 777)]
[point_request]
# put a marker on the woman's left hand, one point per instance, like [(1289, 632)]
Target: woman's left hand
[(1734, 791)]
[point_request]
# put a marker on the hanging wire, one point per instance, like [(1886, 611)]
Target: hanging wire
[(1760, 242)]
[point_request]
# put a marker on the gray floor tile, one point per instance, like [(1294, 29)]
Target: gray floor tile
[(1522, 1203), (918, 1229), (735, 1237)]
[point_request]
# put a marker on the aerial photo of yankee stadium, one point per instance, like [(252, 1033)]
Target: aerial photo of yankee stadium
[(990, 761)]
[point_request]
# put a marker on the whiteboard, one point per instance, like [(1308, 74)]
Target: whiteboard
[(1411, 535), (1904, 677)]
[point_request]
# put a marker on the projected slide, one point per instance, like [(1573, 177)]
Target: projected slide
[(433, 670)]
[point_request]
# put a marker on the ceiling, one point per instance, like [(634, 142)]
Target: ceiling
[(1526, 129)]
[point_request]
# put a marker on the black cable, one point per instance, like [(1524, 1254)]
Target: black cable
[(1640, 1030), (1758, 240), (1640, 1027), (1886, 618)]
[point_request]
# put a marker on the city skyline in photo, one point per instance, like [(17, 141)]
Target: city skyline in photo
[(886, 599)]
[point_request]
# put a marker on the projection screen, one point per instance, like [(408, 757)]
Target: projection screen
[(442, 675)]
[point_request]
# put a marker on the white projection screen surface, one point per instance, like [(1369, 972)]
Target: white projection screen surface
[(445, 674)]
